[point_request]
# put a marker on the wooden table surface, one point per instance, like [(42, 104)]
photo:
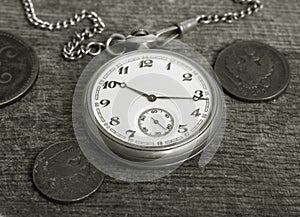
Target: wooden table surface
[(255, 172)]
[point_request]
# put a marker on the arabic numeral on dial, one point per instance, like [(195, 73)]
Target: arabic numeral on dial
[(146, 63), (130, 133), (198, 95), (114, 121), (187, 77), (160, 143), (169, 66), (154, 111), (110, 84), (182, 128), (123, 70), (105, 102), (143, 118), (196, 113)]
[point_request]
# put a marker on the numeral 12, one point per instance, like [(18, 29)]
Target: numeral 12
[(146, 63)]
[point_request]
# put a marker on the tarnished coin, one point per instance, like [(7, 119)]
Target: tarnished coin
[(63, 174), (252, 71), (18, 68)]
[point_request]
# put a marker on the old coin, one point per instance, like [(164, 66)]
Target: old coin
[(18, 68), (252, 71), (63, 174)]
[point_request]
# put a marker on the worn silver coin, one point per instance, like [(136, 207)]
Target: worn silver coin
[(63, 174), (252, 71), (18, 68)]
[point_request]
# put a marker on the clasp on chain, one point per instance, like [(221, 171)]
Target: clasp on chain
[(168, 34), (116, 37), (93, 48), (176, 31)]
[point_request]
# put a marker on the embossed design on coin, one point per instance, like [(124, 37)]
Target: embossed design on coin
[(18, 68), (252, 71), (63, 174)]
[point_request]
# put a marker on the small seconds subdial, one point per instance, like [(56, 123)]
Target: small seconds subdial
[(156, 122)]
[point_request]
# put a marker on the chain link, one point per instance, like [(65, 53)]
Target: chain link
[(230, 17), (75, 49)]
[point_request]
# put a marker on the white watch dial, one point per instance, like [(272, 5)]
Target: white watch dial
[(151, 98)]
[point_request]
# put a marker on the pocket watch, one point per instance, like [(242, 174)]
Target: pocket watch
[(151, 106)]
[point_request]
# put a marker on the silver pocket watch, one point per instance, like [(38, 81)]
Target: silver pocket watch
[(147, 105)]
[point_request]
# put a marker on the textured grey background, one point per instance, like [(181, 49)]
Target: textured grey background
[(255, 172)]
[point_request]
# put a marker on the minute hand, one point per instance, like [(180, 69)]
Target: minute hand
[(175, 97)]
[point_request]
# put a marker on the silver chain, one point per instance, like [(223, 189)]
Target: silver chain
[(229, 17), (76, 49)]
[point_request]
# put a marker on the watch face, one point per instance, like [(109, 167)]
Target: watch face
[(150, 99)]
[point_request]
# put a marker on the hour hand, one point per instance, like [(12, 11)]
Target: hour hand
[(124, 85)]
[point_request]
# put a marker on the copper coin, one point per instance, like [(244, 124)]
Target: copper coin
[(63, 174), (252, 71), (18, 68)]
